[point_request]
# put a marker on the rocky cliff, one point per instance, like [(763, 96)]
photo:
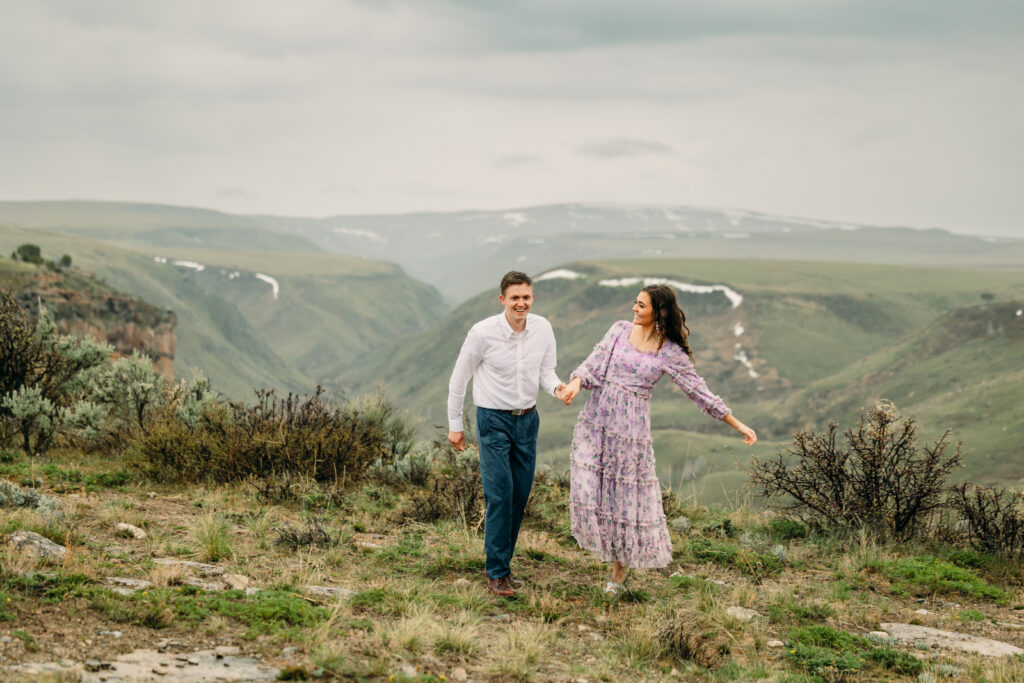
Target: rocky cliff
[(85, 306)]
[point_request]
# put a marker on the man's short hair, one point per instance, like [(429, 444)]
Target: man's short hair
[(514, 277)]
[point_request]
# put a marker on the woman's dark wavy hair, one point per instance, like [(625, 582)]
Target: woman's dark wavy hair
[(669, 319)]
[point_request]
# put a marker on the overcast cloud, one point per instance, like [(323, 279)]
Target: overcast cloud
[(892, 113)]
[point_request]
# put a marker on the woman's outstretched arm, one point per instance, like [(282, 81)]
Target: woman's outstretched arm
[(749, 435)]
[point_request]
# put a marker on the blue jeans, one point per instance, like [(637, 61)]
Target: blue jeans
[(508, 455)]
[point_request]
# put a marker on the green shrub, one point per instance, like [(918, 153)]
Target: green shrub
[(273, 437)]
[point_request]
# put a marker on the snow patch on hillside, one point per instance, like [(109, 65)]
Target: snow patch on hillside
[(198, 267), (738, 329), (365, 234), (516, 218), (561, 274), (735, 297), (271, 281), (742, 358)]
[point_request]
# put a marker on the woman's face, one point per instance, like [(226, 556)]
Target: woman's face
[(643, 313)]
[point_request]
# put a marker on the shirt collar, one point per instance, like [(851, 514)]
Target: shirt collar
[(507, 330)]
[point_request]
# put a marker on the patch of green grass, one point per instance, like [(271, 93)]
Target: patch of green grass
[(29, 642), (5, 607), (50, 588), (833, 654), (790, 608), (746, 560), (786, 529), (929, 575), (971, 615), (268, 612), (894, 660)]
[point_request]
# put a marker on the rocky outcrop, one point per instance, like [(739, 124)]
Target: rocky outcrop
[(83, 306)]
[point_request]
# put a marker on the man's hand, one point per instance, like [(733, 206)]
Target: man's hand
[(457, 439), (570, 390)]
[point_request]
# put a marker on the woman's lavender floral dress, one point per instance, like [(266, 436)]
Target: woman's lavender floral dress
[(615, 495)]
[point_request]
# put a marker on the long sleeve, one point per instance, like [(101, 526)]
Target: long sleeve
[(591, 371), (469, 358), (548, 378), (680, 368)]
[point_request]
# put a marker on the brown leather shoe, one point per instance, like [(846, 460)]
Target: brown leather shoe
[(501, 587)]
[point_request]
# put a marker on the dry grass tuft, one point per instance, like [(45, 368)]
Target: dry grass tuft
[(694, 638)]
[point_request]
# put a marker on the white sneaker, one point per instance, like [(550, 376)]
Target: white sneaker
[(612, 588)]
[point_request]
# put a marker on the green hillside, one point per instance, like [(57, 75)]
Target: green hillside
[(328, 309), (964, 371), (801, 323)]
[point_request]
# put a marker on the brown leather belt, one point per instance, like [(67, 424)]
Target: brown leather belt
[(521, 411)]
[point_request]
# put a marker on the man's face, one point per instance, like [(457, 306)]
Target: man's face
[(517, 300)]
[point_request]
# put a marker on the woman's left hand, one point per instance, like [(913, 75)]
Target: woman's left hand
[(748, 434)]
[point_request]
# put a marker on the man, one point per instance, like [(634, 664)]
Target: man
[(507, 356)]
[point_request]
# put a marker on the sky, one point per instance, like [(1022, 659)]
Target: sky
[(867, 111)]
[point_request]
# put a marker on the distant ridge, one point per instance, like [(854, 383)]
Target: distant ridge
[(459, 252)]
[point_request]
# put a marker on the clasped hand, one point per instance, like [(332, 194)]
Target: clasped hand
[(567, 392)]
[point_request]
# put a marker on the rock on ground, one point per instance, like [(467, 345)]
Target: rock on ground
[(125, 529), (37, 546), (950, 640), (741, 613)]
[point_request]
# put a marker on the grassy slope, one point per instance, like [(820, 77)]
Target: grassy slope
[(416, 607), (329, 308), (804, 321)]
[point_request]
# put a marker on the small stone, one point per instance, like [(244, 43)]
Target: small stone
[(93, 665), (595, 636), (158, 671), (409, 670), (462, 583), (582, 627), (151, 494), (289, 651), (6, 639), (66, 663), (235, 581), (192, 661), (741, 613), (922, 612), (112, 634), (775, 644), (126, 530), (459, 674)]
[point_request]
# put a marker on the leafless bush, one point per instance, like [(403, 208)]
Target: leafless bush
[(880, 479), (456, 492), (992, 518)]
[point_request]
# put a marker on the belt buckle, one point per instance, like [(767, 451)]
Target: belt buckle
[(518, 411)]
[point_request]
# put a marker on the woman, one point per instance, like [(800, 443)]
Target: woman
[(615, 495)]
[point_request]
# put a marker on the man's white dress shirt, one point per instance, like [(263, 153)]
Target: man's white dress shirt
[(506, 366)]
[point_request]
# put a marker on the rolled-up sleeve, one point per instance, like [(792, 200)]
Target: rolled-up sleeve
[(680, 368), (469, 359)]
